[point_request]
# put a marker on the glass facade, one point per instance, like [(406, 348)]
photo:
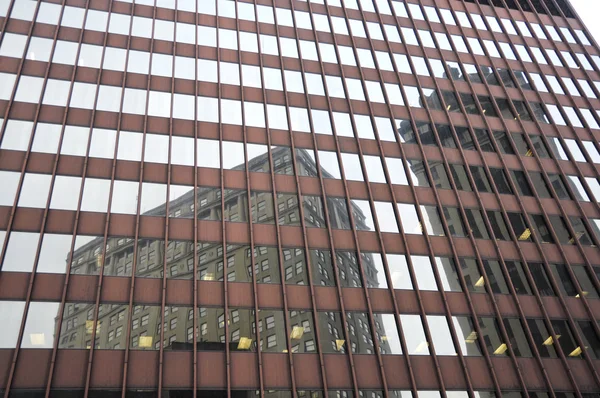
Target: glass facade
[(324, 198)]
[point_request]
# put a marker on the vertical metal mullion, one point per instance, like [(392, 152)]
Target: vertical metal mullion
[(507, 276), (526, 218), (300, 211), (326, 215), (195, 211), (511, 232), (582, 178), (32, 275), (223, 227), (22, 62), (571, 274), (139, 202), (37, 111), (255, 308), (78, 210), (563, 254), (425, 234), (167, 203), (575, 108), (478, 256)]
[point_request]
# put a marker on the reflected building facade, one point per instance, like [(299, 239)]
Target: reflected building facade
[(291, 198)]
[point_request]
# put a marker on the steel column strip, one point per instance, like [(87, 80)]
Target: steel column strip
[(505, 273), (575, 108), (482, 269), (585, 71), (512, 233), (524, 214), (445, 226), (300, 210), (16, 200), (167, 203), (11, 6), (195, 215), (348, 203), (249, 209), (572, 159), (513, 291), (325, 208), (586, 306), (223, 227), (478, 256), (455, 254), (78, 211), (139, 202), (305, 246), (7, 113), (396, 212), (351, 216)]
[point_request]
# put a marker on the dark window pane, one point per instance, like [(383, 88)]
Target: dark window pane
[(585, 281), (505, 109), (426, 134), (517, 276), (450, 101), (560, 229), (473, 279), (322, 267), (461, 180), (348, 269), (498, 225), (476, 223), (539, 112), (314, 214), (521, 144), (465, 138), (544, 341), (506, 77), (481, 181), (492, 336), (338, 213), (445, 134), (522, 111), (484, 140), (501, 181), (541, 280), (559, 186), (438, 173), (540, 185), (581, 232), (503, 142), (521, 182), (590, 338), (567, 340), (495, 277), (517, 338), (519, 227), (565, 283), (539, 146), (489, 76), (454, 220), (469, 103), (522, 80), (539, 224)]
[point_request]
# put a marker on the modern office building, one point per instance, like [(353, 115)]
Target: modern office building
[(286, 198)]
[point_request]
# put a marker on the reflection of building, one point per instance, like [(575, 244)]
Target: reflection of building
[(179, 255)]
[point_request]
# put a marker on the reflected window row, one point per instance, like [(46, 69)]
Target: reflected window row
[(87, 255), (270, 330), (206, 70), (165, 30)]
